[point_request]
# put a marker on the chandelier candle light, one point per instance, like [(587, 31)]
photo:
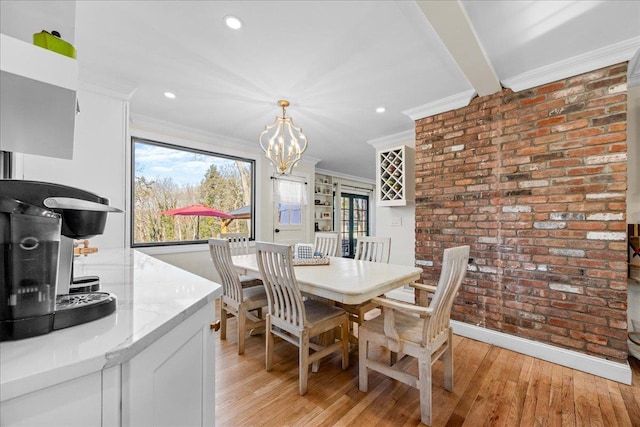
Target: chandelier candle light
[(284, 140)]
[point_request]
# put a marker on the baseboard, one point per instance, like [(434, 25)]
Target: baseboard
[(620, 372)]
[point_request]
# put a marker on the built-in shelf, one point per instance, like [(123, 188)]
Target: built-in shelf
[(323, 199), (395, 180)]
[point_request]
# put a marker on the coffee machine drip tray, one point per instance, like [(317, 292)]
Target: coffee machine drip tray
[(81, 307)]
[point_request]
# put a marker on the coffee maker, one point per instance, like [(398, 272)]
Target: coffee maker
[(38, 224)]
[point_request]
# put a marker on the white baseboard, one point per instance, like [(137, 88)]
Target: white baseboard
[(620, 372)]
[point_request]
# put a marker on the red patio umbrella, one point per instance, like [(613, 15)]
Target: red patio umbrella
[(197, 211)]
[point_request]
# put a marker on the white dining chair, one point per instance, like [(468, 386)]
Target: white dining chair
[(327, 243), (238, 242), (373, 249), (239, 245), (236, 300), (370, 248), (295, 319), (416, 331)]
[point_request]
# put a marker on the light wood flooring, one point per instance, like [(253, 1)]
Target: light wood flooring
[(492, 387)]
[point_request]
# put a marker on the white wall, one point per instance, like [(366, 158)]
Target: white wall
[(398, 222), (98, 164)]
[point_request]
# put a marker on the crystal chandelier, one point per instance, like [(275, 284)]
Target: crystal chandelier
[(281, 141)]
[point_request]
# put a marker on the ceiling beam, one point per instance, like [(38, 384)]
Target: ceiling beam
[(452, 24)]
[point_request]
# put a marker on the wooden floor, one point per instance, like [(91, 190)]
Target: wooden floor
[(492, 387)]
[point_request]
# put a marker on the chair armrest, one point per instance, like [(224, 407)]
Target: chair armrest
[(422, 287), (402, 306)]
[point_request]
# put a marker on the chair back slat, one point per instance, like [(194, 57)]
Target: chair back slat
[(454, 268), (283, 294), (327, 243), (238, 242), (376, 249), (221, 258)]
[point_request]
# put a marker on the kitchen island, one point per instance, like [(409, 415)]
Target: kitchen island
[(150, 362)]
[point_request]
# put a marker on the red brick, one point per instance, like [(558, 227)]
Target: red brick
[(547, 134)]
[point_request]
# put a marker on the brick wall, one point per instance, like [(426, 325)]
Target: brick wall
[(535, 182)]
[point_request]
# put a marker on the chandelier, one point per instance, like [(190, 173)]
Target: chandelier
[(281, 141)]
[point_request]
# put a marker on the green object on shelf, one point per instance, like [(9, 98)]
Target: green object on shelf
[(52, 41)]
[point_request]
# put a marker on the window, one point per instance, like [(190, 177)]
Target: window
[(169, 182)]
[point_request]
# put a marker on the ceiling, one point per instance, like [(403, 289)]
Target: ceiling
[(337, 61)]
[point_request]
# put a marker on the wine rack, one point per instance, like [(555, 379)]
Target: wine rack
[(395, 186)]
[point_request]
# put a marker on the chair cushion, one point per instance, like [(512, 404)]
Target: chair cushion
[(318, 310), (248, 281), (409, 327), (255, 293)]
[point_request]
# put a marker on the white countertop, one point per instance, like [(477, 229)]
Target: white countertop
[(152, 298)]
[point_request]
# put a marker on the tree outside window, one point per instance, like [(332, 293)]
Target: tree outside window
[(167, 177)]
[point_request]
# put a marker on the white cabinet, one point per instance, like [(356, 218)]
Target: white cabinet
[(395, 176), (72, 403), (323, 202), (172, 382), (38, 99), (169, 383)]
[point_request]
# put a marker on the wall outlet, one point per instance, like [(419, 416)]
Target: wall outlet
[(396, 221)]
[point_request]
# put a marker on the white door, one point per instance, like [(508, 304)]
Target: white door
[(289, 207)]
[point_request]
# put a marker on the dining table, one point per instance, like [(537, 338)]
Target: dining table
[(343, 280)]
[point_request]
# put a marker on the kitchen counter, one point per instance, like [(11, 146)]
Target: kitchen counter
[(153, 298)]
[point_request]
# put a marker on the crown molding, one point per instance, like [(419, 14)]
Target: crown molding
[(633, 71), (113, 91), (407, 137), (449, 103), (345, 176), (599, 58), (148, 124)]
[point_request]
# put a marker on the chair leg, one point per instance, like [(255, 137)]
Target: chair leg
[(268, 353), (447, 360), (303, 349), (424, 385), (363, 375), (242, 321), (344, 336), (223, 322)]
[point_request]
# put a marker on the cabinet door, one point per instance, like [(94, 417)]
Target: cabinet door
[(72, 403), (172, 382)]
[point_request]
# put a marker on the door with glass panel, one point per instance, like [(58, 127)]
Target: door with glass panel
[(354, 221), (289, 204)]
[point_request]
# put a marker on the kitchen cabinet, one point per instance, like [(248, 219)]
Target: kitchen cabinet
[(168, 384), (149, 363), (395, 178), (38, 102), (323, 198), (172, 382)]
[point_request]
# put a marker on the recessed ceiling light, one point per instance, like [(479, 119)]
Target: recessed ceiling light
[(380, 110), (170, 95), (233, 22)]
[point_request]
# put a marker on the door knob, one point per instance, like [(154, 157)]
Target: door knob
[(277, 230)]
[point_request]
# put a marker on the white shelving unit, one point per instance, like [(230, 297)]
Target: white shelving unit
[(323, 199), (395, 176)]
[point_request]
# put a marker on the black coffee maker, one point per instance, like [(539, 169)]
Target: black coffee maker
[(38, 224)]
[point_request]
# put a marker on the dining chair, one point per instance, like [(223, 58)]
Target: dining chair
[(239, 245), (421, 332), (295, 319), (374, 249), (327, 243), (370, 248), (236, 300), (238, 242)]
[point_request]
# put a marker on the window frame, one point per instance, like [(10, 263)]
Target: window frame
[(180, 147)]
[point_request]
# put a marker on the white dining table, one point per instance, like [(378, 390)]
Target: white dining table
[(343, 280)]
